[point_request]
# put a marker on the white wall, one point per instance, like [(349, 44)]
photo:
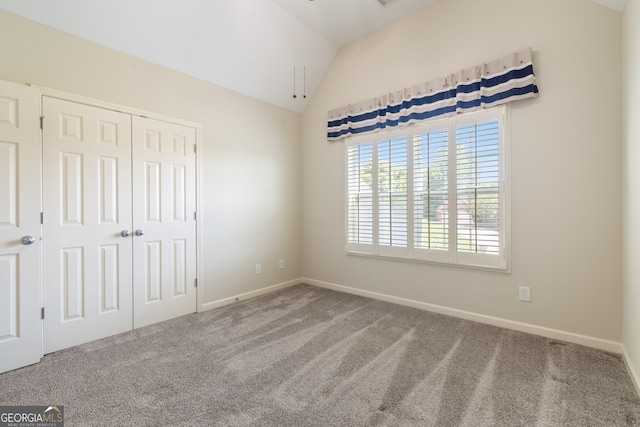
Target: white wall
[(251, 150), (631, 186), (566, 161)]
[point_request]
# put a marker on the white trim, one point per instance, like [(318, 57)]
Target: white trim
[(606, 345), (633, 373), (611, 346), (241, 297), (200, 276), (505, 160), (81, 99)]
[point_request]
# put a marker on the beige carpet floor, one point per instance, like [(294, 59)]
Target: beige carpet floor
[(307, 356)]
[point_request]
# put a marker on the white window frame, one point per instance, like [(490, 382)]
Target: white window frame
[(451, 256)]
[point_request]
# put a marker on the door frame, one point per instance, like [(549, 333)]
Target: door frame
[(80, 99)]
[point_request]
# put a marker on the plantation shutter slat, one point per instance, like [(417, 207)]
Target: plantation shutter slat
[(360, 194), (431, 191), (392, 192), (478, 187)]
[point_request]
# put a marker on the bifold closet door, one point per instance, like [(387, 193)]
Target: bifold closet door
[(164, 205), (87, 218), (20, 198)]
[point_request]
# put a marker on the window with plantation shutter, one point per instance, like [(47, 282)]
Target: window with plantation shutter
[(432, 192), (478, 182), (360, 195), (431, 189), (392, 194)]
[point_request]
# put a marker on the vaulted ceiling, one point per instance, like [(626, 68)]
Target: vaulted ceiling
[(249, 46)]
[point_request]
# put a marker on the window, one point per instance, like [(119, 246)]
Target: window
[(431, 192)]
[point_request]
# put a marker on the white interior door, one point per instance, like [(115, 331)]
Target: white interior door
[(164, 205), (20, 203), (87, 206)]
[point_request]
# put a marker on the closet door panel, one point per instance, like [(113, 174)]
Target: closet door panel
[(163, 210), (87, 206)]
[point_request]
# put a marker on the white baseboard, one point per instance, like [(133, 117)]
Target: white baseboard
[(633, 373), (611, 346), (247, 295)]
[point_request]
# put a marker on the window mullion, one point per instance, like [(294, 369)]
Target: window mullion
[(452, 205), (375, 201), (504, 212), (410, 195)]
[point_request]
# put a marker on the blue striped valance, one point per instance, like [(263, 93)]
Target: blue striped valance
[(483, 86)]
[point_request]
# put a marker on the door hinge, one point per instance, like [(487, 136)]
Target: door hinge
[(41, 122), (195, 215), (42, 313), (195, 148), (41, 217), (195, 283)]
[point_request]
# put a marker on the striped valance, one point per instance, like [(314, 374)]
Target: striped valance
[(482, 86)]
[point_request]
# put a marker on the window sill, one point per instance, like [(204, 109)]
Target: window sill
[(506, 270)]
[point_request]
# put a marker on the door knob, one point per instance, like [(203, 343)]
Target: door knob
[(125, 233), (28, 240), (139, 232)]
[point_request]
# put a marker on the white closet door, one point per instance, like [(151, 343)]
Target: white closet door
[(87, 205), (164, 205), (20, 197)]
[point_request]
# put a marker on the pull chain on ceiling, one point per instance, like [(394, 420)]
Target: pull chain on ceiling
[(304, 49)]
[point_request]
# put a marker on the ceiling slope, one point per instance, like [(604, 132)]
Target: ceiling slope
[(249, 46), (243, 45)]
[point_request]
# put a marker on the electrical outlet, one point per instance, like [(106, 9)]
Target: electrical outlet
[(258, 268), (525, 293), (281, 264)]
